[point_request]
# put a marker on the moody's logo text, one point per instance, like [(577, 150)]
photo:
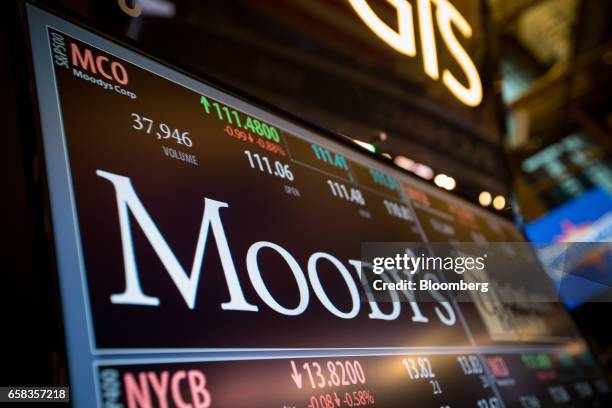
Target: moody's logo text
[(132, 212), (90, 65)]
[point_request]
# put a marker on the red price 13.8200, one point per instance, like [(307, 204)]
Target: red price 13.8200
[(332, 374), (161, 130)]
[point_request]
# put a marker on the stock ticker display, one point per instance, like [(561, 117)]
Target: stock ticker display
[(209, 252)]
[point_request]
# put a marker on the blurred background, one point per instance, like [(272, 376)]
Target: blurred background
[(556, 66)]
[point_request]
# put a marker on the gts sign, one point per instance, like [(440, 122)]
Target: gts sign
[(403, 41)]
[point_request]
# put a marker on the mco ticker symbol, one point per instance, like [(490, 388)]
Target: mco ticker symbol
[(403, 41)]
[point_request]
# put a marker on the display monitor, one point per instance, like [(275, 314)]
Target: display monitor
[(208, 254), (588, 220)]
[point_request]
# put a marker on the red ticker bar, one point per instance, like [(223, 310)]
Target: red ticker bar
[(358, 381), (330, 382)]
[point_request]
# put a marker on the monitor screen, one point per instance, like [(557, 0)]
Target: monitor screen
[(586, 219), (208, 254)]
